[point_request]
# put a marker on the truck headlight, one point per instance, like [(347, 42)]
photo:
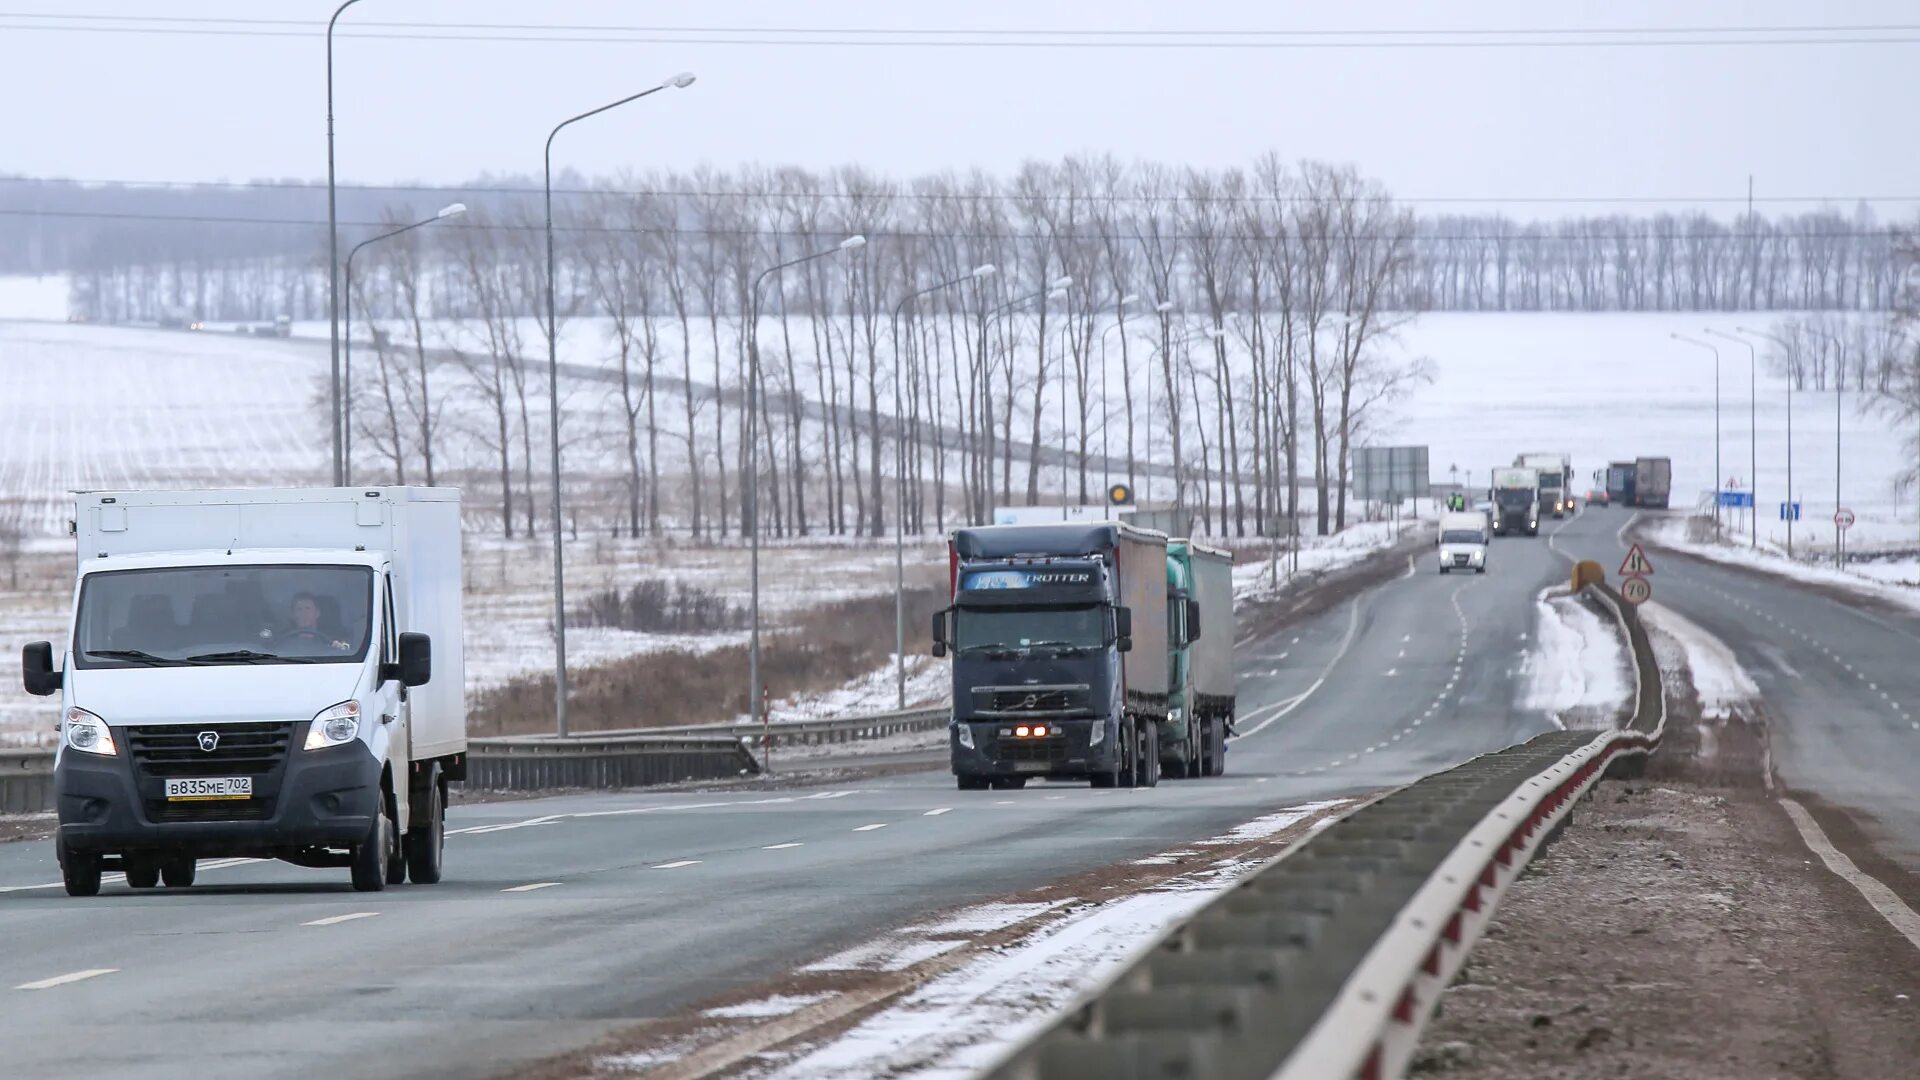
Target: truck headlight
[(1099, 734), (88, 733), (965, 733), (334, 726)]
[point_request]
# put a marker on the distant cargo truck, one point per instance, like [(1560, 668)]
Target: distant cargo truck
[(1620, 486), (1193, 740), (1556, 481), (1652, 482), (1516, 502), (1060, 653)]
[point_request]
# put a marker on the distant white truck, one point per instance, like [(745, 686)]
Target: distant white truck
[(270, 674), (1463, 541)]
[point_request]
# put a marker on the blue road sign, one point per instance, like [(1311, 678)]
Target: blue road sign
[(1790, 511), (1736, 500)]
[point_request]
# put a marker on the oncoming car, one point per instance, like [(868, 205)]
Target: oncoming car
[(1463, 542)]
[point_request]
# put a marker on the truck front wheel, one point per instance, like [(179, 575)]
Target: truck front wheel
[(1146, 767), (142, 874), (370, 856), (79, 870), (426, 843), (177, 873), (973, 783)]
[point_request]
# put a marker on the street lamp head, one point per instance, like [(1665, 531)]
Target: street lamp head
[(452, 210), (853, 243), (984, 270), (680, 81)]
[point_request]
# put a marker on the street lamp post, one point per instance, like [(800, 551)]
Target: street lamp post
[(1789, 511), (680, 81), (346, 366), (1106, 412), (750, 481), (979, 273), (333, 265), (1753, 430), (1710, 347)]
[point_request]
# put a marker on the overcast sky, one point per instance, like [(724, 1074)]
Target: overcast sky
[(247, 101)]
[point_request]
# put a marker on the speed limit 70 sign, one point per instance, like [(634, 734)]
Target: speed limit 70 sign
[(1636, 590), (1843, 518)]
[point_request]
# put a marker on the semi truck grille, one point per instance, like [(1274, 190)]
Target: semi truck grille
[(160, 810), (242, 749), (1050, 749), (1014, 699)]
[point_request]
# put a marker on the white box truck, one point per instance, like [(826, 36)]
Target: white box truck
[(272, 674)]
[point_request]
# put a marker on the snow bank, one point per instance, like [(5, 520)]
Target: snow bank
[(1717, 675), (1577, 668), (42, 297), (1253, 568), (1882, 579)]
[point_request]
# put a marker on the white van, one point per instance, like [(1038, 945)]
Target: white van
[(1463, 541), (272, 674)]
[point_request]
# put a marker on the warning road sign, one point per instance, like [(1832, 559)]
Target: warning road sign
[(1636, 590), (1636, 563)]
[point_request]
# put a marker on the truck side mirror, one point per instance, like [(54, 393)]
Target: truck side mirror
[(1193, 620), (415, 667), (940, 633), (1123, 629), (36, 669)]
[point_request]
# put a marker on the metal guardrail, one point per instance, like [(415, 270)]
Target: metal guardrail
[(602, 759), (26, 781), (1328, 962)]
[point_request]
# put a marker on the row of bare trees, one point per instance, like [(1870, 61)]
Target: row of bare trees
[(1216, 340)]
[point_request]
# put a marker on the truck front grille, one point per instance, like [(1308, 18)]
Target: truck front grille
[(1045, 699), (249, 749)]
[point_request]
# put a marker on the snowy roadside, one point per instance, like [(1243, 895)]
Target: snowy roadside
[(1718, 679), (1576, 671), (957, 990), (1882, 579), (1255, 568)]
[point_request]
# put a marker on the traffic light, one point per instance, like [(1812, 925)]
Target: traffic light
[(1120, 495)]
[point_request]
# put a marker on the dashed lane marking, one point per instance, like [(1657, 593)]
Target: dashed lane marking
[(677, 865), (937, 811), (781, 847), (531, 886), (870, 828), (62, 980), (335, 920)]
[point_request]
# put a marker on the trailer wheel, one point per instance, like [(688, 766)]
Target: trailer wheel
[(1010, 783), (1220, 745), (177, 873), (142, 874), (79, 870), (1147, 766), (972, 783)]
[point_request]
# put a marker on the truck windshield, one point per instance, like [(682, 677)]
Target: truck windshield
[(993, 629), (1513, 498), (1463, 536), (202, 615)]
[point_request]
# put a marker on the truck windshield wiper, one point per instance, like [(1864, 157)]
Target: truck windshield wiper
[(1063, 645), (995, 650), (135, 655), (248, 656)]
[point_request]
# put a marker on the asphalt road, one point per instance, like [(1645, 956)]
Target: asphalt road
[(562, 918), (1837, 676)]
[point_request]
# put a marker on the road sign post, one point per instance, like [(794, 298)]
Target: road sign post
[(1843, 520)]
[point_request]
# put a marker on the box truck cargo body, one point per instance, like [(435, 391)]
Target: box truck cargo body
[(1193, 741), (274, 674), (1059, 642)]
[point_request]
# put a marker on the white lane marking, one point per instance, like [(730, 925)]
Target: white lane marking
[(870, 828), (335, 920), (937, 811), (781, 847), (677, 865), (1391, 672), (1891, 908), (1406, 637), (531, 886), (1410, 570), (62, 980), (631, 810), (1285, 707)]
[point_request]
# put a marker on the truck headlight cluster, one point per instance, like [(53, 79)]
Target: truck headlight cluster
[(334, 726), (965, 733), (88, 733)]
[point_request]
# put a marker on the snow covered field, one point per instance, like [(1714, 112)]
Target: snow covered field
[(24, 297)]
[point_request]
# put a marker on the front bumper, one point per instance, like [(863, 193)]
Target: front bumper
[(995, 756), (318, 798)]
